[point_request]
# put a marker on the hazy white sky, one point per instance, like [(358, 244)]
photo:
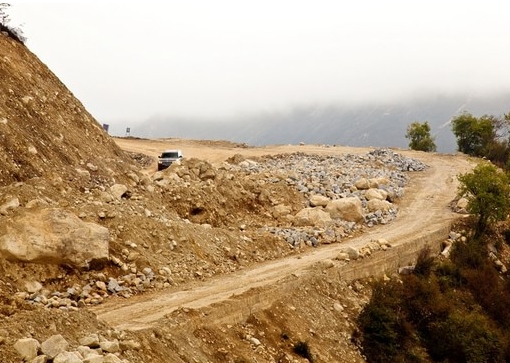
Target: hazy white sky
[(132, 60)]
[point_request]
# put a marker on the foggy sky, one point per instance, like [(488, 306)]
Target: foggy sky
[(133, 60)]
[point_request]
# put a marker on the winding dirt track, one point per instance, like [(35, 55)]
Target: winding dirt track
[(423, 211)]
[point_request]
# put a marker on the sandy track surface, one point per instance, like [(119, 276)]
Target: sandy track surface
[(424, 209)]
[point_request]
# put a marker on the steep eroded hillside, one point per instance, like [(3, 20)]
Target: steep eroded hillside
[(44, 129)]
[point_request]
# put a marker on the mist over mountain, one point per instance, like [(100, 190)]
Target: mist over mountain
[(370, 124)]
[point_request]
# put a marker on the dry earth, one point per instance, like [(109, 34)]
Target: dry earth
[(257, 292), (190, 275), (424, 211)]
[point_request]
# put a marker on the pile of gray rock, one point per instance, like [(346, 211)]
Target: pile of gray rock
[(98, 288), (93, 348), (344, 193)]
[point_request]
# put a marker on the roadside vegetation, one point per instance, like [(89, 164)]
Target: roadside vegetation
[(457, 311), (453, 309), (486, 137)]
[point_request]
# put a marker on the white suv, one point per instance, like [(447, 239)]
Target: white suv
[(167, 157)]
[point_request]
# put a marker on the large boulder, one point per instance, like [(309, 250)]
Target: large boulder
[(118, 190), (318, 200), (379, 182), (349, 209), (362, 184), (374, 205), (27, 348), (312, 217), (54, 345), (462, 206), (54, 236), (281, 210), (374, 193)]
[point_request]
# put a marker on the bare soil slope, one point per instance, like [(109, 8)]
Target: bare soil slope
[(45, 131)]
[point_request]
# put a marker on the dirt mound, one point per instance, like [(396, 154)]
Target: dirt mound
[(224, 197)]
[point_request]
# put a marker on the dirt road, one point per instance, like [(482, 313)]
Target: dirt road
[(423, 212)]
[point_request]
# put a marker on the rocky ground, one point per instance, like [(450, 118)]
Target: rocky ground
[(189, 223), (85, 222)]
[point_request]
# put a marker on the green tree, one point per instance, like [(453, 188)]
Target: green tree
[(419, 136), (473, 134), (487, 192), (485, 136)]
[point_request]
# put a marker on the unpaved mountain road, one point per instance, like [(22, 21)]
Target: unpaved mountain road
[(424, 216)]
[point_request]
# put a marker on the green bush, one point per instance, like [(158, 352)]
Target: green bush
[(470, 255), (453, 311), (466, 337), (382, 325), (420, 137)]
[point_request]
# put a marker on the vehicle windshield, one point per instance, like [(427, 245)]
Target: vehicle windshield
[(173, 154)]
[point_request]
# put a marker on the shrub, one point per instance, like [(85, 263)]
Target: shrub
[(424, 302), (424, 263), (491, 292), (469, 255), (448, 275), (454, 311), (488, 193), (382, 324), (466, 337)]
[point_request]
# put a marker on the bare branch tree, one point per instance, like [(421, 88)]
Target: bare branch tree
[(14, 32)]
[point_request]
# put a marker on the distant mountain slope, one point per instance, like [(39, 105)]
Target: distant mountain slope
[(366, 125)]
